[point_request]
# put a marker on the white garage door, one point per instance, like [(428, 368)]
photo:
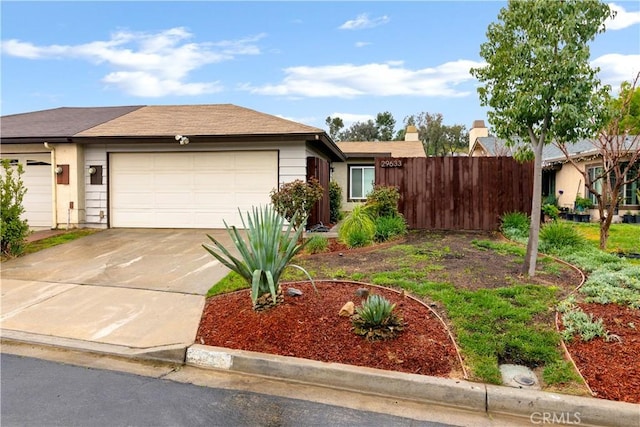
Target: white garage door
[(37, 180), (189, 190)]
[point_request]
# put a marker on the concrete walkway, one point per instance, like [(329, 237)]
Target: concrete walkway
[(132, 292)]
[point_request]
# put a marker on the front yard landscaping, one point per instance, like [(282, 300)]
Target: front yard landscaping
[(472, 281), (496, 315)]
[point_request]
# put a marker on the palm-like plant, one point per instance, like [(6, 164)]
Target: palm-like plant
[(270, 246)]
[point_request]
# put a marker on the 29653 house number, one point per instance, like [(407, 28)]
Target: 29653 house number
[(391, 163)]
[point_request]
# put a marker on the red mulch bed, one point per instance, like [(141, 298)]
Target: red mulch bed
[(612, 369), (309, 327)]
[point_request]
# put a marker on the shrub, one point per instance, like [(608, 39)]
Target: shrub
[(383, 201), (267, 252), (357, 229), (375, 319), (296, 199), (515, 225), (13, 229), (317, 244), (335, 202), (388, 227), (583, 203), (551, 211), (556, 236)]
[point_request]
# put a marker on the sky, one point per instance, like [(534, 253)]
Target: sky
[(300, 60)]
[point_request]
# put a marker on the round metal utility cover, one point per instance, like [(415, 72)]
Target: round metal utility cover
[(524, 380)]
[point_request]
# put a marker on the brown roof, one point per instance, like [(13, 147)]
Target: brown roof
[(58, 122), (192, 120), (371, 148)]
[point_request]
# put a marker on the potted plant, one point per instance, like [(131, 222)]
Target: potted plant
[(583, 204)]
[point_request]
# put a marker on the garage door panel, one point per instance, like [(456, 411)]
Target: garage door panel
[(189, 190), (37, 179)]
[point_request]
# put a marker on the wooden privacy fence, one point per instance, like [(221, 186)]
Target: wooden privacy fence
[(457, 193)]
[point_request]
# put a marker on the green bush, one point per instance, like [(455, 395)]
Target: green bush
[(335, 202), (388, 227), (515, 225), (267, 252), (583, 203), (375, 319), (551, 211), (13, 229), (383, 201), (357, 229), (317, 244), (296, 199), (556, 236)]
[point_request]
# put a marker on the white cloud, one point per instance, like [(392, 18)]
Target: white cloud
[(363, 21), (146, 64), (362, 44), (623, 19), (375, 79), (616, 68)]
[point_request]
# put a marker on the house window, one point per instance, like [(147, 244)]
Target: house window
[(629, 191), (595, 177), (361, 180)]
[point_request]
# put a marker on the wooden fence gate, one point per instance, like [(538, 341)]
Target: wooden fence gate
[(457, 193), (319, 169)]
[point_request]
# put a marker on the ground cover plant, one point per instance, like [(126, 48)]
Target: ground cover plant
[(598, 320)]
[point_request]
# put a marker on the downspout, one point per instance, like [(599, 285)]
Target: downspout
[(55, 186)]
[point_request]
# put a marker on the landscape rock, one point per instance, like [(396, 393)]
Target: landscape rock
[(348, 309), (293, 292), (362, 292)]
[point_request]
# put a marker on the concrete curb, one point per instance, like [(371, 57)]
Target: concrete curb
[(170, 353), (530, 404)]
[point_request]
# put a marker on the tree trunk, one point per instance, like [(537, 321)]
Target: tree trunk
[(530, 259), (605, 224)]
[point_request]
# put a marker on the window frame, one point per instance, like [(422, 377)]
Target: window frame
[(363, 166)]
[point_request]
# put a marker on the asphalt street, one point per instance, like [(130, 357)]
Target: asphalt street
[(43, 393)]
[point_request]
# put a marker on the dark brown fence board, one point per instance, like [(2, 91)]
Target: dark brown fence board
[(461, 193), (319, 168)]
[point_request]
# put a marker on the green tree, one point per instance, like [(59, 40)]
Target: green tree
[(617, 145), (629, 94), (13, 229), (386, 125), (538, 82), (335, 125), (437, 138), (361, 131)]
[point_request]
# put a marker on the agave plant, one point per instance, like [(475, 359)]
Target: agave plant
[(375, 319), (270, 246)]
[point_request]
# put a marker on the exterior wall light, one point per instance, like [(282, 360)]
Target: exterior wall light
[(92, 170), (58, 170), (183, 140)]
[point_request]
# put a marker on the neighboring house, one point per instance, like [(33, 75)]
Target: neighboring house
[(359, 170), (189, 166), (559, 177)]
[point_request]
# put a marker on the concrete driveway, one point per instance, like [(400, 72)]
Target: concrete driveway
[(123, 291)]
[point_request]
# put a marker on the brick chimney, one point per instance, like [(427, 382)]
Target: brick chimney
[(478, 130), (411, 134)]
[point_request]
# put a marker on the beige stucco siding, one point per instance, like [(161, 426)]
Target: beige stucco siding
[(570, 182)]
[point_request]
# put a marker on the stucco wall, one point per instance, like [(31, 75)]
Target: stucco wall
[(65, 215), (570, 182)]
